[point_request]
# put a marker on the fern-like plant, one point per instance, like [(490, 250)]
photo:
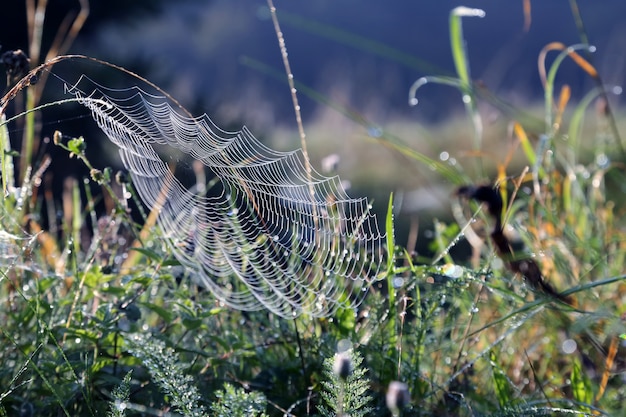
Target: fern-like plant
[(169, 373), (236, 402), (121, 396), (345, 395)]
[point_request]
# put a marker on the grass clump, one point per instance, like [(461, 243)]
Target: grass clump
[(94, 324)]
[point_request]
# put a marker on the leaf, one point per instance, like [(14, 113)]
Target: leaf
[(162, 312), (149, 254), (77, 145), (500, 382), (581, 385)]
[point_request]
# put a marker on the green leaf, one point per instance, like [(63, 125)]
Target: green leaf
[(77, 145), (171, 262), (149, 254), (500, 382), (162, 312), (458, 43), (6, 157), (461, 63), (581, 385), (346, 320), (391, 248)]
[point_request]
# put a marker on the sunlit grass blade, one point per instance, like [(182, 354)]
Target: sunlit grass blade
[(581, 385), (391, 243), (501, 383), (548, 78), (564, 97), (527, 147), (527, 15), (457, 41), (461, 63), (578, 116), (6, 157), (608, 367)]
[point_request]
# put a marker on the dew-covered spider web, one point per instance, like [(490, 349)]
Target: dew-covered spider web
[(258, 228)]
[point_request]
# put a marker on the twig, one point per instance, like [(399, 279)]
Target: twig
[(296, 106)]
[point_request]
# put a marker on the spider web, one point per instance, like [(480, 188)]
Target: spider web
[(274, 234)]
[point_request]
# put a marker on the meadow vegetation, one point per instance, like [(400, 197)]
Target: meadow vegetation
[(95, 323)]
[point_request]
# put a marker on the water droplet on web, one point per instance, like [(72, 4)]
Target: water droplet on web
[(602, 160), (467, 98), (413, 101), (397, 282), (569, 346), (452, 271)]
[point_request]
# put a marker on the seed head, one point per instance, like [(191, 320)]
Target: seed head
[(343, 365), (397, 397)]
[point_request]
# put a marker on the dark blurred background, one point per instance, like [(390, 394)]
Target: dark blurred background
[(197, 50), (221, 57)]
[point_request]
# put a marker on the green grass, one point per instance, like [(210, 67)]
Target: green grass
[(94, 326)]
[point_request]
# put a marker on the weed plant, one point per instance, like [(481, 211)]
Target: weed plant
[(102, 326)]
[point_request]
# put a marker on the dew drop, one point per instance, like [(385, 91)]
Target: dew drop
[(398, 282), (602, 160), (569, 346)]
